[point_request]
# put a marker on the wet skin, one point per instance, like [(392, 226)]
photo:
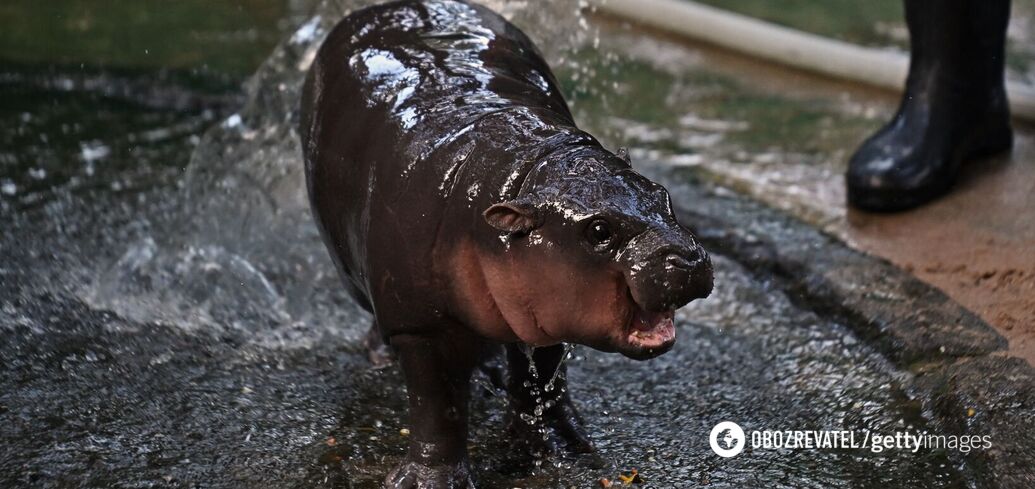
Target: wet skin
[(465, 209)]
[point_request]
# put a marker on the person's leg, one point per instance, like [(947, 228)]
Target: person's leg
[(954, 108)]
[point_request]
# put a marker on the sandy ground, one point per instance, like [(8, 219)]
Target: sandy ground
[(978, 244)]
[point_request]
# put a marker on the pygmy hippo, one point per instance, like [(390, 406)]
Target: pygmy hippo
[(465, 210)]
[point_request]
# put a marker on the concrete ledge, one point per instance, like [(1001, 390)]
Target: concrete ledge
[(908, 320)]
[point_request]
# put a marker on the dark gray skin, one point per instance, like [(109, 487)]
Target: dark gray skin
[(465, 210)]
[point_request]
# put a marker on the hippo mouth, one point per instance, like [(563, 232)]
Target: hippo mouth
[(649, 334)]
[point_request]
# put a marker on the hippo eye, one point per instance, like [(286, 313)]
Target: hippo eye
[(599, 233)]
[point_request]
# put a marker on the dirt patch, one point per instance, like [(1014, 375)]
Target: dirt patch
[(977, 245)]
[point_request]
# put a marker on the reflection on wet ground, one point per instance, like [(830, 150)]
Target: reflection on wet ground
[(96, 95), (67, 140)]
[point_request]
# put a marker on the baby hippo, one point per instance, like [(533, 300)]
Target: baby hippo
[(465, 210)]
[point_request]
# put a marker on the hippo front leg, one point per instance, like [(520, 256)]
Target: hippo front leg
[(559, 422), (437, 375)]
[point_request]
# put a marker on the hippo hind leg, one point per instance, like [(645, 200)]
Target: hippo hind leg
[(560, 422)]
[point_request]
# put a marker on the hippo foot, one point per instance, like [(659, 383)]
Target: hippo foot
[(558, 432), (415, 475)]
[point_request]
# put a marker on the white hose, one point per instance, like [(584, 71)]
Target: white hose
[(753, 37)]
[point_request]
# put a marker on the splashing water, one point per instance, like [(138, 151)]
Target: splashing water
[(544, 397), (569, 349), (535, 418), (240, 245)]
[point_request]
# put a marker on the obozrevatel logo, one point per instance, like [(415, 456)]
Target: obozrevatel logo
[(727, 439)]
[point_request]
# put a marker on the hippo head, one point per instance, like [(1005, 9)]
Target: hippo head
[(594, 255)]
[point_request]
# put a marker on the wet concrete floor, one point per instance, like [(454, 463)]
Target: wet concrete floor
[(90, 399)]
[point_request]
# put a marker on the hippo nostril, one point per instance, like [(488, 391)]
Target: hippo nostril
[(678, 261)]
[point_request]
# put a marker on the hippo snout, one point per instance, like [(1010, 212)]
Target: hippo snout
[(671, 276), (686, 276)]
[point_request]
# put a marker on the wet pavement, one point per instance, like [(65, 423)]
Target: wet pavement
[(788, 137), (92, 399), (168, 335)]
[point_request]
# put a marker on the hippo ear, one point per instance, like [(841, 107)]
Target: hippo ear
[(623, 153), (514, 216)]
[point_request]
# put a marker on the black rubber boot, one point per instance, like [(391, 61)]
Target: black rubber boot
[(954, 108)]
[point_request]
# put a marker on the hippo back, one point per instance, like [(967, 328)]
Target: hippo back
[(416, 116)]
